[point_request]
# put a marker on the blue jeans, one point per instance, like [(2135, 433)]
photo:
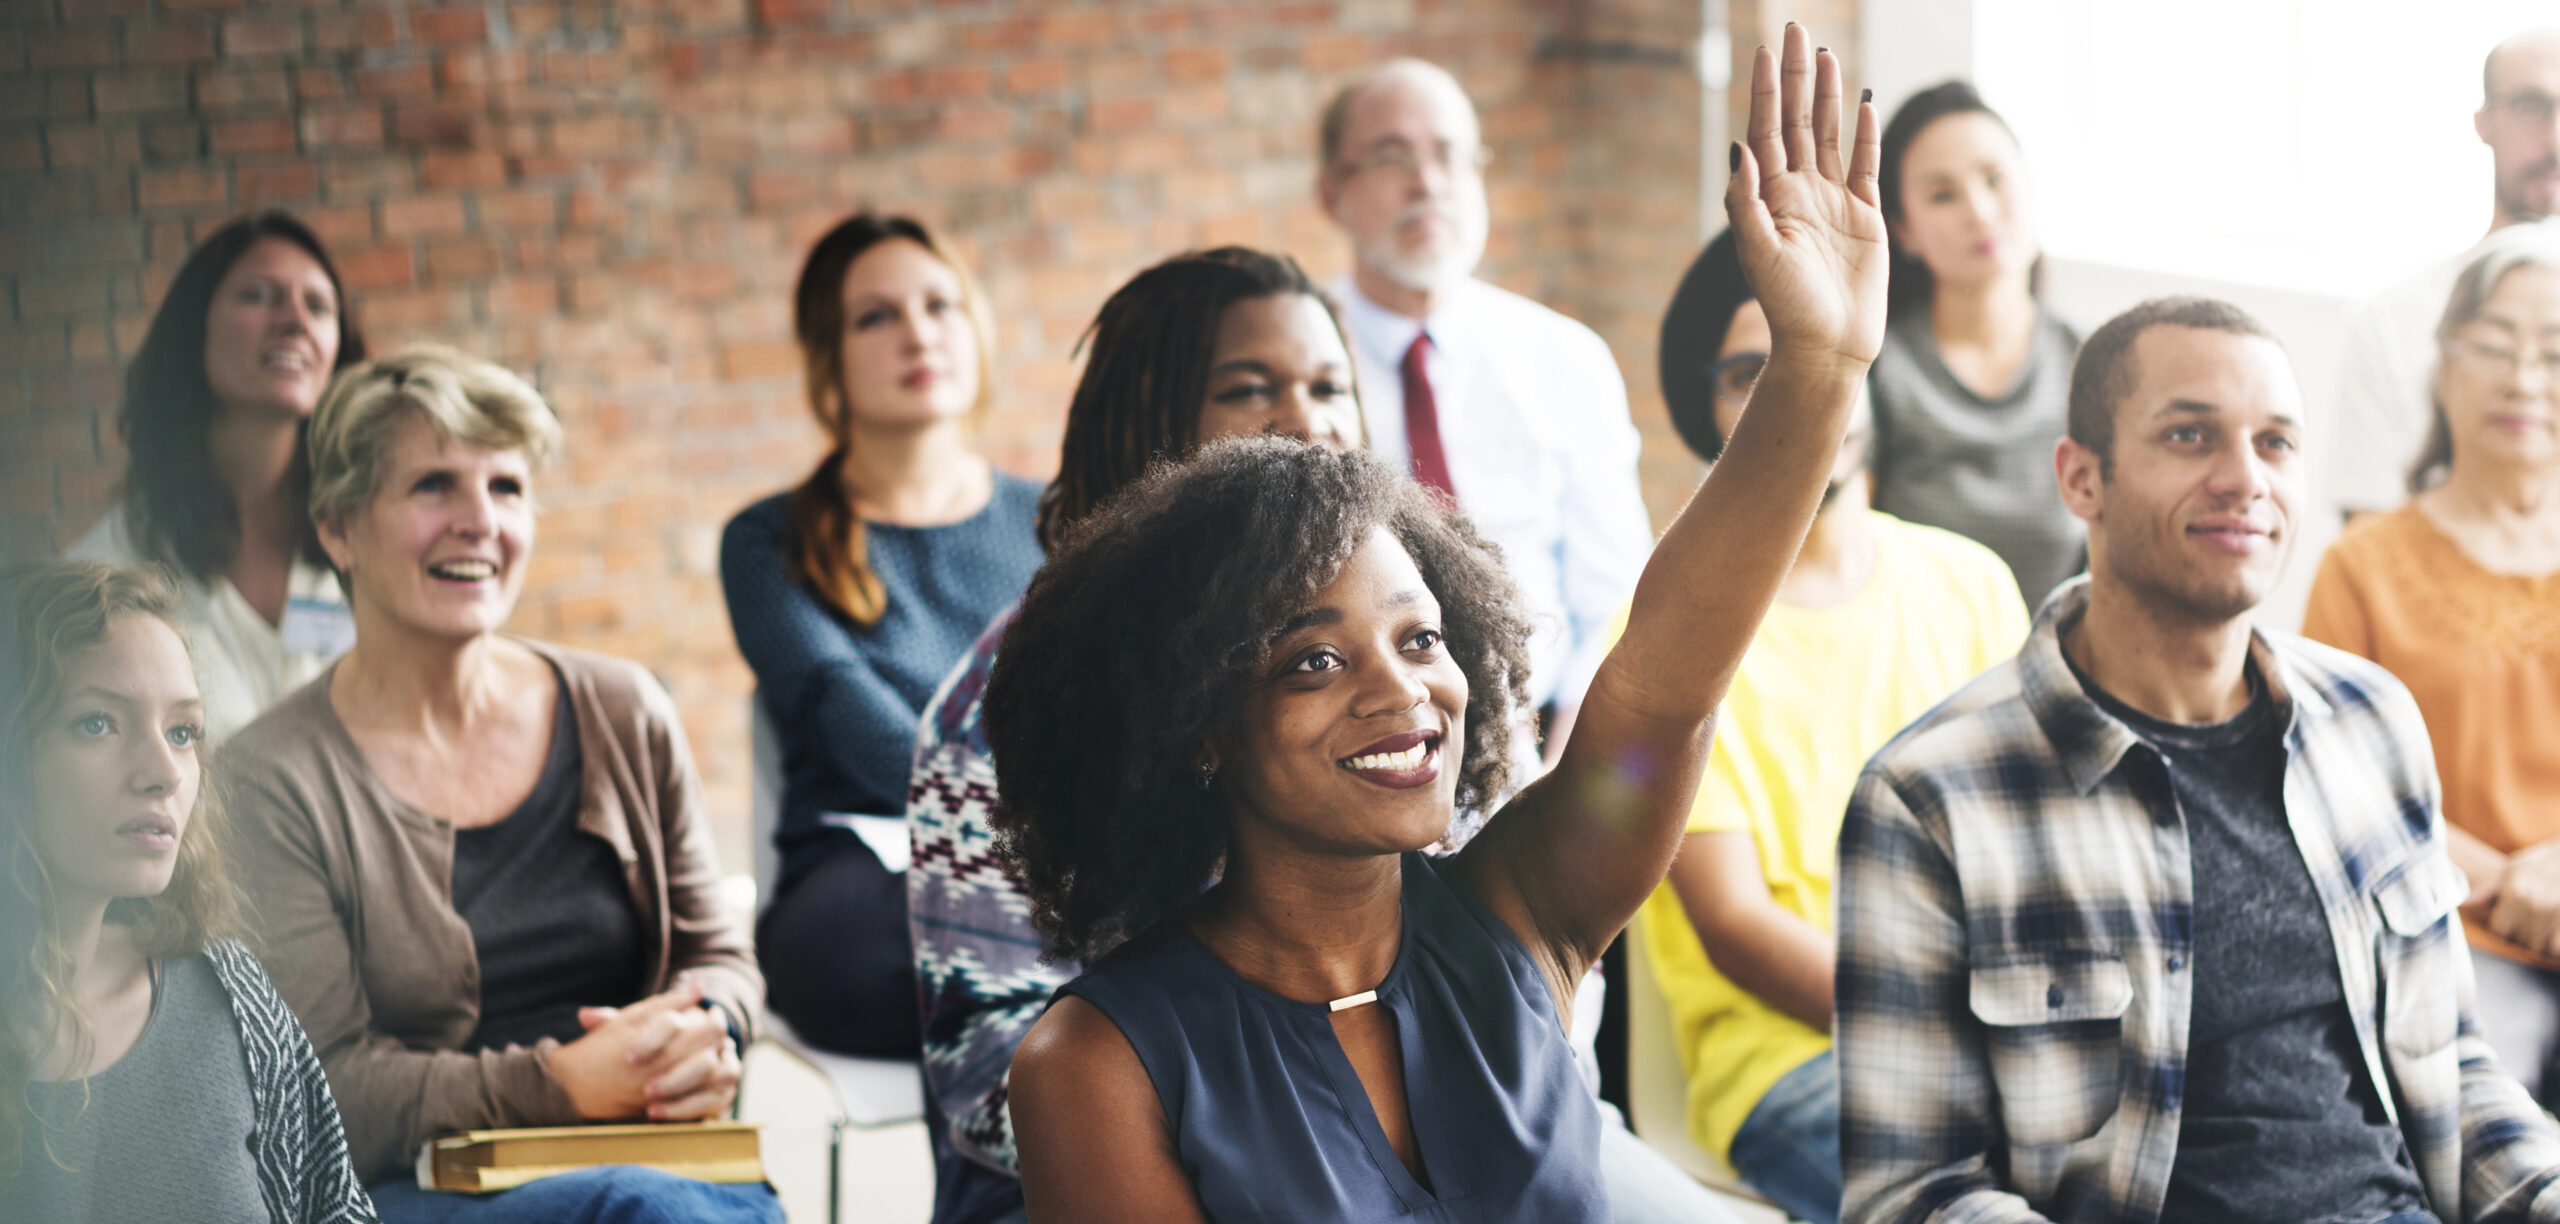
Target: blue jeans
[(608, 1194), (1789, 1148)]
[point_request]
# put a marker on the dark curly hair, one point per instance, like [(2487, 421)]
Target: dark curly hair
[(1138, 639)]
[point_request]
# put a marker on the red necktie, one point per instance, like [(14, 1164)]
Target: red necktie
[(1422, 423)]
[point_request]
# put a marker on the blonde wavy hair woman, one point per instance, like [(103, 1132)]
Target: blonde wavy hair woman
[(481, 861), (137, 1036)]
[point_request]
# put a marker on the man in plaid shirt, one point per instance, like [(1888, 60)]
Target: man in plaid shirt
[(2155, 921)]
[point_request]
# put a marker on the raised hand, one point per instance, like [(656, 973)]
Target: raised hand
[(1808, 225)]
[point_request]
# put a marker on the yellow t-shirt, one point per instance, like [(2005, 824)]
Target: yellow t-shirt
[(1819, 692)]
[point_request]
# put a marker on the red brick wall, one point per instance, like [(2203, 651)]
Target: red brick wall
[(613, 196)]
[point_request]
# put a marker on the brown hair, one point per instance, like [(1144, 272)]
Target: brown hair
[(828, 550), (175, 504), (55, 611)]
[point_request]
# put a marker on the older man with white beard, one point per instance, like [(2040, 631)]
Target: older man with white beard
[(1515, 412)]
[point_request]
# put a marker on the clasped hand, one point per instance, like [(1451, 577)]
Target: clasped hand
[(666, 1058)]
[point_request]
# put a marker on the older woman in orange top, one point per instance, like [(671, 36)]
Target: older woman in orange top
[(2458, 593)]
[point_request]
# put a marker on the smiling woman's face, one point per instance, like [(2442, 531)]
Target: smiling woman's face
[(1344, 743), (271, 335), (443, 545), (114, 771)]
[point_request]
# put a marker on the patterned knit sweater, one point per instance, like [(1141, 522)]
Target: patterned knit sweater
[(978, 964)]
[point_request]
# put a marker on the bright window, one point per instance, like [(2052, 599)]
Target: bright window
[(2320, 145)]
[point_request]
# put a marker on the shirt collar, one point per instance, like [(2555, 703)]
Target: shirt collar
[(1385, 335), (2090, 742)]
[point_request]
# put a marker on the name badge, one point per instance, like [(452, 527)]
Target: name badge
[(312, 627)]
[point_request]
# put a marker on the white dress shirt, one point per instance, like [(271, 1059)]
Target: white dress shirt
[(1533, 418), (243, 664), (2386, 389)]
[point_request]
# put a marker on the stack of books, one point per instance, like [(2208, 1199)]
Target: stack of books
[(483, 1161)]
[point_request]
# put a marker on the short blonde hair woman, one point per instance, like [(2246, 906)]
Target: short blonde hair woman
[(481, 861), (141, 1046), (2458, 594)]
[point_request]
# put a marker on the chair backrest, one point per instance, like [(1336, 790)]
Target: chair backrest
[(764, 753), (1657, 1089)]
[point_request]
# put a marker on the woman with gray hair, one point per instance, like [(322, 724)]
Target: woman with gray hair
[(2458, 593), (482, 870)]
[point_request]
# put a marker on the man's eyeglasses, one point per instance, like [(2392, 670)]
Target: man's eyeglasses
[(1403, 162), (2530, 105), (1733, 377)]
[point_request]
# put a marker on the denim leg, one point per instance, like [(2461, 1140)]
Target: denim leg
[(1789, 1148), (608, 1194)]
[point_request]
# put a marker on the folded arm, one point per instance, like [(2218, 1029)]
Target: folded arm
[(393, 1097), (1919, 1112)]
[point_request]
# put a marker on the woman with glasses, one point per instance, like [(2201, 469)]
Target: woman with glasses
[(1971, 387), (2458, 594)]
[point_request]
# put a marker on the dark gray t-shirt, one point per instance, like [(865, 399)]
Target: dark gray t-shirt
[(163, 1134), (2280, 1122), (1979, 467), (551, 915)]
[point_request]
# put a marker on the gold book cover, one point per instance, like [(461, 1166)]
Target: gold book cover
[(485, 1161)]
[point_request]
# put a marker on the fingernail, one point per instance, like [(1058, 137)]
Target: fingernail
[(1866, 95), (1733, 157), (1822, 50)]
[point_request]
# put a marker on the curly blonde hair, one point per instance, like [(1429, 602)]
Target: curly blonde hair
[(54, 611)]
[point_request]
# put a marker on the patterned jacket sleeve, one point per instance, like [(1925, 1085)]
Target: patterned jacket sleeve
[(978, 967), (301, 1145), (1918, 1108)]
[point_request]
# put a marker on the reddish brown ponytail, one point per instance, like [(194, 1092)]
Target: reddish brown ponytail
[(828, 550)]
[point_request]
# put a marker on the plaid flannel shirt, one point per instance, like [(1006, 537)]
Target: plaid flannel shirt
[(2015, 908)]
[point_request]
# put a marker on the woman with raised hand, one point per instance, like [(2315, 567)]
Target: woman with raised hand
[(2458, 594), (851, 597), (1229, 343), (216, 488), (1274, 673), (483, 873), (147, 1069), (1975, 374)]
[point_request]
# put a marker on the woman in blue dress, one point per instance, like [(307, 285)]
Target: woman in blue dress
[(1236, 705), (853, 594)]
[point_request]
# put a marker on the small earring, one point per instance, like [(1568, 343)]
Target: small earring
[(1208, 774)]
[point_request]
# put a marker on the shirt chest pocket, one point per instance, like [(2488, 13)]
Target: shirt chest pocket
[(2414, 951), (2053, 1030)]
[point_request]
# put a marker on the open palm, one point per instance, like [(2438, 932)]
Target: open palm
[(1809, 225)]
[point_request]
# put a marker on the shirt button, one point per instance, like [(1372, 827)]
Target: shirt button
[(2053, 995), (2177, 964)]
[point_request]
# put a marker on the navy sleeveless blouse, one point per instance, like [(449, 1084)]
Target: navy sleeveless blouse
[(1270, 1120)]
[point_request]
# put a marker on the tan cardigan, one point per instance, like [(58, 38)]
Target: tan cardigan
[(352, 889)]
